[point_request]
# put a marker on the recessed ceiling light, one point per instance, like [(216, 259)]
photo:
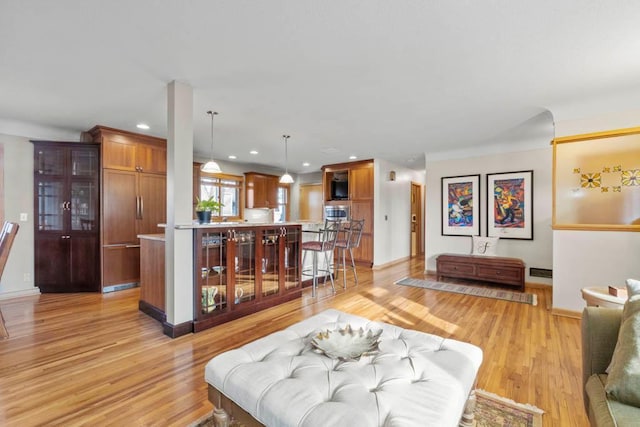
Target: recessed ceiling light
[(142, 126), (253, 152), (353, 157), (305, 164), (232, 157)]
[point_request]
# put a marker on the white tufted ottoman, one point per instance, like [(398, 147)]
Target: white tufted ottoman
[(416, 379)]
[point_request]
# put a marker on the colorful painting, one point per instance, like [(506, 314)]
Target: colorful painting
[(460, 205), (509, 205)]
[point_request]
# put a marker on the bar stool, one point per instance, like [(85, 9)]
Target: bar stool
[(326, 243), (350, 233)]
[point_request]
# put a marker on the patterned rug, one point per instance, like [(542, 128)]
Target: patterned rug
[(496, 411), (491, 411), (478, 291)]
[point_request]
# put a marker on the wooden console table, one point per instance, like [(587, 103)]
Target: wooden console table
[(507, 271)]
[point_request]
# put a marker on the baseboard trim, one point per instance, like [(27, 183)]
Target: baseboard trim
[(152, 311), (537, 285), (389, 264), (121, 287), (566, 313), (175, 331), (18, 294)]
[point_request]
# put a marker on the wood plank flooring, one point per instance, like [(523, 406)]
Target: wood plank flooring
[(92, 359)]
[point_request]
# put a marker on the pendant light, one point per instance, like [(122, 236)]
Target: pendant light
[(286, 178), (211, 166)]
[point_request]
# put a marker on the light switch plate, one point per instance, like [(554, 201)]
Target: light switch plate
[(23, 217)]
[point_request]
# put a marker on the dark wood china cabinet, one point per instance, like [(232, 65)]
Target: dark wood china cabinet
[(67, 216)]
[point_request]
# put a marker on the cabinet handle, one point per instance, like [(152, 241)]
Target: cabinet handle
[(141, 207), (131, 246), (137, 207)]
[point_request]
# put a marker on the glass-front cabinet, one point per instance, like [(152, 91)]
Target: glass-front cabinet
[(242, 270), (66, 216)]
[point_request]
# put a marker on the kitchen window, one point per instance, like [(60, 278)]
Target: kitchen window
[(225, 188)]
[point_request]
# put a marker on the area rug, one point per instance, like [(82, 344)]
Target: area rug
[(471, 290), (496, 411), (491, 411)]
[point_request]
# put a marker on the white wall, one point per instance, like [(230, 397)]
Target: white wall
[(18, 187), (592, 258), (535, 253), (392, 211)]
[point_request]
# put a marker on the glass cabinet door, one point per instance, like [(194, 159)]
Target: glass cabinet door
[(244, 267), (50, 161), (291, 258), (269, 264), (84, 162), (213, 273), (51, 205), (83, 208)]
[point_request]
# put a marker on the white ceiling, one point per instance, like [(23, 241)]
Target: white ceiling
[(376, 79)]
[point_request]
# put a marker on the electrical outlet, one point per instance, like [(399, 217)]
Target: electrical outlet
[(26, 276), (23, 217)]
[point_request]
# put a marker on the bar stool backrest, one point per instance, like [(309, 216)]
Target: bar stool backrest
[(355, 232), (329, 234)]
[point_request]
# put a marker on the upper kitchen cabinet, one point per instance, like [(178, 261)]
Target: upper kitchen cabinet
[(131, 152), (67, 216), (261, 190), (133, 199)]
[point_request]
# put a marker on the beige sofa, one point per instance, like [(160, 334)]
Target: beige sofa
[(600, 328)]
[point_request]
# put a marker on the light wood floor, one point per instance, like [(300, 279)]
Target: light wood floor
[(91, 359)]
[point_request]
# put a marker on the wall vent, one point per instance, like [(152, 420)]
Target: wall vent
[(540, 272)]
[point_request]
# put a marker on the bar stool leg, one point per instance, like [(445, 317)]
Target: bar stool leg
[(326, 260), (344, 269), (353, 265), (314, 281)]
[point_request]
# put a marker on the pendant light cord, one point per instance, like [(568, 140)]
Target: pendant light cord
[(286, 154), (212, 113)]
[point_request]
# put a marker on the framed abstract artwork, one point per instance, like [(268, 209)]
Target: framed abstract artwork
[(461, 205), (510, 205)]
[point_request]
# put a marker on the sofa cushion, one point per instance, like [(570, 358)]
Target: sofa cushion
[(598, 410), (623, 383), (633, 287)]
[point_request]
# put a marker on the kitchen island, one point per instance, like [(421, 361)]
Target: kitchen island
[(239, 269)]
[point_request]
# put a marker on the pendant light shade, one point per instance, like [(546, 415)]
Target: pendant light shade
[(286, 178), (211, 166)]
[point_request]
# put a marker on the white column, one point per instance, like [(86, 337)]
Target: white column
[(179, 252)]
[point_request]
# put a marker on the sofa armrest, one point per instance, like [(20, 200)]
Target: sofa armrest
[(600, 328)]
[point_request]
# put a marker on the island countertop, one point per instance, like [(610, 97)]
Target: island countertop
[(238, 224)]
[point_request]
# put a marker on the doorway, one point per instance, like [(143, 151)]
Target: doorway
[(311, 202), (417, 221)]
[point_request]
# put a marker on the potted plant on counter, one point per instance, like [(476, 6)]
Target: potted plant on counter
[(204, 208)]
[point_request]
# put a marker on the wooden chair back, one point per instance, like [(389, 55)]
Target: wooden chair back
[(7, 234)]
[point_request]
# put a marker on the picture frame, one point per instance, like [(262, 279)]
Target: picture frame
[(510, 205), (460, 197)]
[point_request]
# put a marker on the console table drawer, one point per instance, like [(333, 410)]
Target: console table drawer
[(450, 268), (507, 275)]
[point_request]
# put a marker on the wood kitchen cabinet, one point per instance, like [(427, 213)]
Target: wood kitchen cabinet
[(245, 269), (261, 190), (66, 216), (360, 179), (133, 199)]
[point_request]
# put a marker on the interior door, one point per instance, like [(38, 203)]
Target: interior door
[(417, 246), (311, 202)]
